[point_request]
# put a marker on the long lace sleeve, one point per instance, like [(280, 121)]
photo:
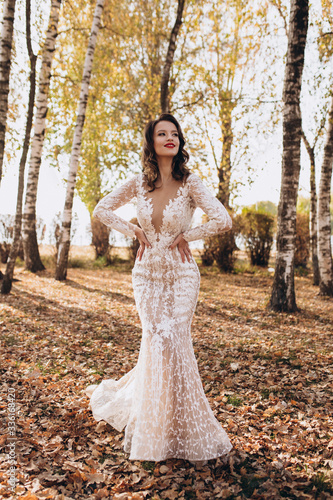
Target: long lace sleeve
[(219, 219), (104, 210)]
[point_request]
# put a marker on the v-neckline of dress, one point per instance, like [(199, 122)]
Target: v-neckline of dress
[(166, 207)]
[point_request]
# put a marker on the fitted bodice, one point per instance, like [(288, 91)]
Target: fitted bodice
[(177, 214), (160, 198), (176, 218)]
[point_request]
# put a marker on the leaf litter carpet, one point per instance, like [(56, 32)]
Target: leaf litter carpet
[(268, 378)]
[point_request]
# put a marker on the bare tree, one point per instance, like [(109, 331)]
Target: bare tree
[(8, 277), (31, 253), (165, 105), (62, 263), (283, 291), (5, 65), (324, 217)]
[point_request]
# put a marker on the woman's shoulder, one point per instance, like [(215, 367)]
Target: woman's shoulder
[(193, 179), (136, 179), (132, 184), (140, 179)]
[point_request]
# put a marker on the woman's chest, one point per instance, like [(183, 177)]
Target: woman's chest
[(164, 214)]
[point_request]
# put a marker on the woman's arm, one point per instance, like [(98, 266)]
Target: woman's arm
[(104, 210), (219, 219)]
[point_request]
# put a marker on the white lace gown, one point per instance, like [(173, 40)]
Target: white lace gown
[(161, 401)]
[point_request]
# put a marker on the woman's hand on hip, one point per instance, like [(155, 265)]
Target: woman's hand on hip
[(139, 233), (183, 248)]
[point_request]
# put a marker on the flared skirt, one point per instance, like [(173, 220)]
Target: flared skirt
[(161, 402)]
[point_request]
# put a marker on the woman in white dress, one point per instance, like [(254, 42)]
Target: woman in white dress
[(161, 402)]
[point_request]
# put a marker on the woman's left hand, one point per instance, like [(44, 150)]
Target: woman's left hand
[(183, 248)]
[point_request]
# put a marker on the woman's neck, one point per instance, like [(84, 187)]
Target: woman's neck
[(165, 169)]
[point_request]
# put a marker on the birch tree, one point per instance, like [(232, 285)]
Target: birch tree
[(5, 65), (231, 36), (31, 253), (313, 208), (325, 46), (165, 104), (62, 262), (283, 290), (318, 84), (324, 216), (8, 277), (124, 90)]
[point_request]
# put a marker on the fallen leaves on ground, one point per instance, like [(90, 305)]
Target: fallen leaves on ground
[(267, 376)]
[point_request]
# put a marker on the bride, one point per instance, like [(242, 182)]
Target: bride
[(161, 402)]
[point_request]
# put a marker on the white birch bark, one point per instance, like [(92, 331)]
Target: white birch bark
[(8, 277), (313, 210), (31, 252), (6, 42), (324, 217), (283, 291), (62, 261)]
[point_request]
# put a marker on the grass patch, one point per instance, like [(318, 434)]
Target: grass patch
[(242, 267), (101, 262), (148, 466), (301, 271), (76, 262), (265, 394), (318, 484), (234, 400)]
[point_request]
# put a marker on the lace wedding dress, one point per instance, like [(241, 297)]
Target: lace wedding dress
[(161, 401)]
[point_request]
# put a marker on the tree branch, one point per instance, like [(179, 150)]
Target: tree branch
[(169, 58)]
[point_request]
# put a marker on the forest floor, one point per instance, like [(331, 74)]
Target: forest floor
[(268, 378)]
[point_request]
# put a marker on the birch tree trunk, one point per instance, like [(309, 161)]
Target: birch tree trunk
[(5, 65), (283, 291), (165, 104), (225, 166), (31, 252), (8, 277), (324, 217), (226, 241), (313, 212), (62, 262)]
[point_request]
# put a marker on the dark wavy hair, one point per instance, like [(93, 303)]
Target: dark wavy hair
[(149, 161)]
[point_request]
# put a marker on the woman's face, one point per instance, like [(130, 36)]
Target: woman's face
[(166, 139)]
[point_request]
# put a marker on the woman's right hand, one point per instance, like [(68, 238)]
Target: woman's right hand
[(139, 233)]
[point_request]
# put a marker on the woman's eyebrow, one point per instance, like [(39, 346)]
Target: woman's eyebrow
[(163, 130)]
